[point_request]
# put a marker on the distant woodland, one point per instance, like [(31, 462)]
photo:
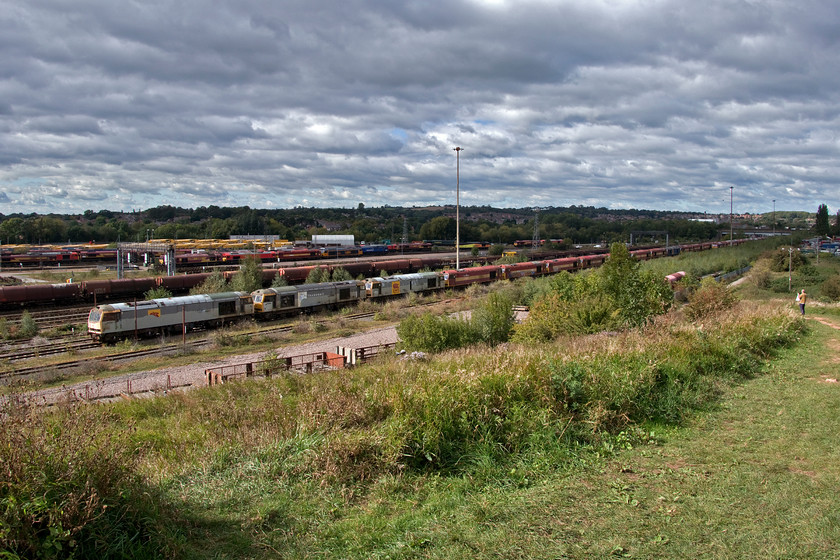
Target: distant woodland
[(576, 224)]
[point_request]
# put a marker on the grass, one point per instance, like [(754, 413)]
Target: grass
[(711, 438), (752, 476), (443, 458)]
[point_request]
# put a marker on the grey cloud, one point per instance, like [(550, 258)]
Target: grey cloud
[(260, 104)]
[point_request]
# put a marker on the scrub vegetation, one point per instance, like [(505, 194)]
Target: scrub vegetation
[(577, 444)]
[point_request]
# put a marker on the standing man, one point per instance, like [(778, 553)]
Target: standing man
[(801, 297)]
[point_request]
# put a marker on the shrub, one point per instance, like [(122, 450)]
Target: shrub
[(69, 488), (249, 276), (493, 320), (711, 297), (617, 295), (496, 250), (431, 333), (214, 284), (830, 289), (28, 326), (760, 275), (157, 293), (224, 338), (783, 259), (318, 275), (340, 274)]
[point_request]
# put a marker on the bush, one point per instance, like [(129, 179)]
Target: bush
[(279, 281), (69, 488), (783, 260), (318, 275), (711, 297), (618, 295), (28, 326), (760, 275), (340, 274), (830, 289), (157, 293), (249, 276), (214, 284), (224, 338), (493, 320), (431, 333)]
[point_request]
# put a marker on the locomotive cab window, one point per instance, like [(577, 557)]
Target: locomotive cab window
[(344, 293), (287, 300), (110, 316), (227, 307)]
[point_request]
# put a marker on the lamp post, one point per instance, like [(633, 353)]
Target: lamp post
[(730, 215), (458, 208), (774, 217)]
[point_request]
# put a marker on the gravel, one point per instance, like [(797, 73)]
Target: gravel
[(164, 379)]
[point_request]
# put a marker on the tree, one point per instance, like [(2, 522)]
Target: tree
[(318, 275), (340, 274), (821, 227), (836, 229), (214, 284), (249, 276), (438, 228)]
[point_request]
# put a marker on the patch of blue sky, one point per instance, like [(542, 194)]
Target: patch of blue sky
[(399, 133)]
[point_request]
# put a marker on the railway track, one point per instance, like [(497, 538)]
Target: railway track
[(50, 318), (158, 350), (29, 350)]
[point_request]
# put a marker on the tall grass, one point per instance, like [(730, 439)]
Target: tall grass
[(69, 489), (267, 460)]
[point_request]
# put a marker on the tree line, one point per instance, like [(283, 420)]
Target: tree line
[(575, 224)]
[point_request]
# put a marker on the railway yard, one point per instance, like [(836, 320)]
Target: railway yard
[(59, 371), (62, 362)]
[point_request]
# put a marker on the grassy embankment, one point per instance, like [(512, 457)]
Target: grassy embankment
[(589, 446)]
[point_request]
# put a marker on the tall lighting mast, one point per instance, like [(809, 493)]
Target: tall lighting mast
[(458, 208)]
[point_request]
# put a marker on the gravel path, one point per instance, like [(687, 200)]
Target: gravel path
[(193, 375)]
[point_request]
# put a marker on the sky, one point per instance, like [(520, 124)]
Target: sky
[(645, 104)]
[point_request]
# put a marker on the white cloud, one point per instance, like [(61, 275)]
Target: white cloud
[(637, 103)]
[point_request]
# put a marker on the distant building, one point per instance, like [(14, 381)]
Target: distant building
[(334, 240)]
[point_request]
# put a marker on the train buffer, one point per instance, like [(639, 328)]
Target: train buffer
[(304, 363), (355, 356)]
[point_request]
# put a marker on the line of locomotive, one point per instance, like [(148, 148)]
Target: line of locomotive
[(97, 290), (110, 322)]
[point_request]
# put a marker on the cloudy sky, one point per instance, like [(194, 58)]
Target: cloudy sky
[(653, 104)]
